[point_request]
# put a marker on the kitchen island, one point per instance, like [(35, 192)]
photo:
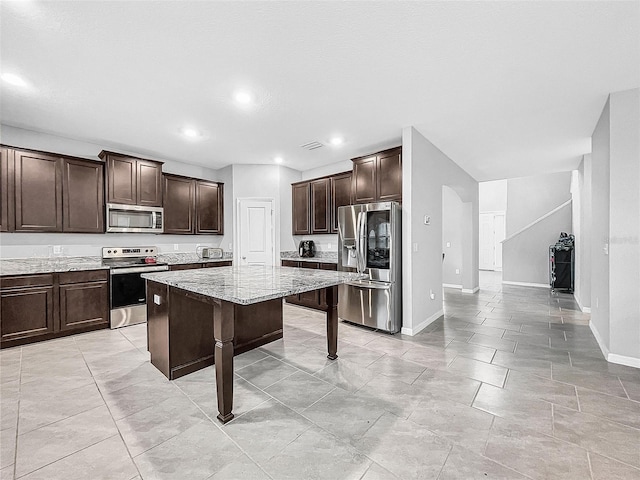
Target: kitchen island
[(240, 306)]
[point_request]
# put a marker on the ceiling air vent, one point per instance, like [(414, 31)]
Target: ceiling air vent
[(311, 145)]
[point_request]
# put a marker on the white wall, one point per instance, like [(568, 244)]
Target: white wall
[(582, 230), (338, 167), (600, 168), (525, 256), (452, 215), (425, 169), (615, 229), (21, 245), (493, 196)]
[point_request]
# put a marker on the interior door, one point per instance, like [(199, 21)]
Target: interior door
[(499, 229), (256, 232), (487, 242)]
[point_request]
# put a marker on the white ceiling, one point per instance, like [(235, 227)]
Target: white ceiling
[(503, 88)]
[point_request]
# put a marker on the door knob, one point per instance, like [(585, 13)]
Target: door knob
[(244, 258)]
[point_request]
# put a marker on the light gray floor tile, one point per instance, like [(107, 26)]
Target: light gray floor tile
[(53, 442), (483, 372), (41, 410), (515, 407), (247, 358), (541, 368), (389, 345), (318, 455), (631, 388), (617, 409), (458, 423), (606, 469), (477, 352), (376, 472), (493, 342), (279, 426), (346, 375), (204, 395), (359, 355), (484, 330), (105, 460), (7, 447), (399, 398), (448, 385), (535, 454), (157, 424), (537, 387), (598, 435), (299, 390), (608, 384), (242, 468), (137, 397), (405, 448), (196, 454), (308, 359), (266, 372), (463, 464), (430, 357), (356, 414), (397, 368), (144, 372), (6, 473), (502, 323), (9, 407)]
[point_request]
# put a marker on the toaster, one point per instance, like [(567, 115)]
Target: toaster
[(210, 252)]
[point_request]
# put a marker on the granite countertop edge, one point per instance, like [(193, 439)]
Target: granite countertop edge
[(321, 257), (35, 266)]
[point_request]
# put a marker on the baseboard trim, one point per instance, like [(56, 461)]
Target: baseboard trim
[(471, 290), (601, 344), (624, 360), (582, 309), (418, 328), (526, 284), (452, 285)]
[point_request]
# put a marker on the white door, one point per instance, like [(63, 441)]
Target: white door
[(256, 232), (499, 229), (487, 242)]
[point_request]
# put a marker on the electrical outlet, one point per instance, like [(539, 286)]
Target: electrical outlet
[(230, 246), (415, 247), (448, 244), (427, 220), (457, 271), (432, 295), (328, 246), (176, 246), (57, 249)]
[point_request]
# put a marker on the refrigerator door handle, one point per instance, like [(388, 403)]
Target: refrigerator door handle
[(370, 285), (361, 242)]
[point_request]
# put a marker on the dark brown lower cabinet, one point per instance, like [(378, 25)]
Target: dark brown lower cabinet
[(42, 307), (27, 308), (190, 266), (316, 299), (180, 326)]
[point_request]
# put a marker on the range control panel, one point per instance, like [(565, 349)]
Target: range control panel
[(128, 252)]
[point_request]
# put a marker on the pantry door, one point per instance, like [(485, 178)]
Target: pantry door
[(256, 232)]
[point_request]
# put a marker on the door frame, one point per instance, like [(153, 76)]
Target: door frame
[(237, 229)]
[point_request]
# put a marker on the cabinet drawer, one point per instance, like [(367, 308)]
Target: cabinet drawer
[(83, 276), (185, 266), (328, 266), (290, 263), (216, 264), (27, 281)]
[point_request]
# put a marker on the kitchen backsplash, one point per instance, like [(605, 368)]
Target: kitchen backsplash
[(44, 245)]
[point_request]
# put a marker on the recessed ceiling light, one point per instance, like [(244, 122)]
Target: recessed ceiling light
[(243, 97), (14, 79), (278, 159), (335, 141), (190, 132)]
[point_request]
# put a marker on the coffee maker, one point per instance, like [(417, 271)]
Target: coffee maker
[(307, 248)]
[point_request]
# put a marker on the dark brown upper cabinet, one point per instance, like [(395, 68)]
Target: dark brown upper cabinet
[(316, 202), (300, 208), (320, 205), (6, 213), (209, 207), (179, 196), (82, 196), (38, 192), (378, 177), (132, 181), (340, 196)]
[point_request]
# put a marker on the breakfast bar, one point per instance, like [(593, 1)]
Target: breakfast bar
[(233, 309)]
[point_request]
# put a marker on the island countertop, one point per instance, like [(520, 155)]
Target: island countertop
[(245, 285)]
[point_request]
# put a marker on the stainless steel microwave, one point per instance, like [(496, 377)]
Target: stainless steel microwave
[(134, 218)]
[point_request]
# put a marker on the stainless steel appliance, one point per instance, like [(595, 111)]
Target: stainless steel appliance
[(369, 241), (134, 218), (307, 248), (127, 296)]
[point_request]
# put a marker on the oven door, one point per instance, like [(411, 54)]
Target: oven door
[(128, 295)]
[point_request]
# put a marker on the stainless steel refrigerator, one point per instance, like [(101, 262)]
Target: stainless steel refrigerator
[(369, 241)]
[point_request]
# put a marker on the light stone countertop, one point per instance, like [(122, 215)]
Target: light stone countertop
[(251, 284), (322, 257), (33, 266)]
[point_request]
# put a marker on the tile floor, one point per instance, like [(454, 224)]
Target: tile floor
[(510, 385)]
